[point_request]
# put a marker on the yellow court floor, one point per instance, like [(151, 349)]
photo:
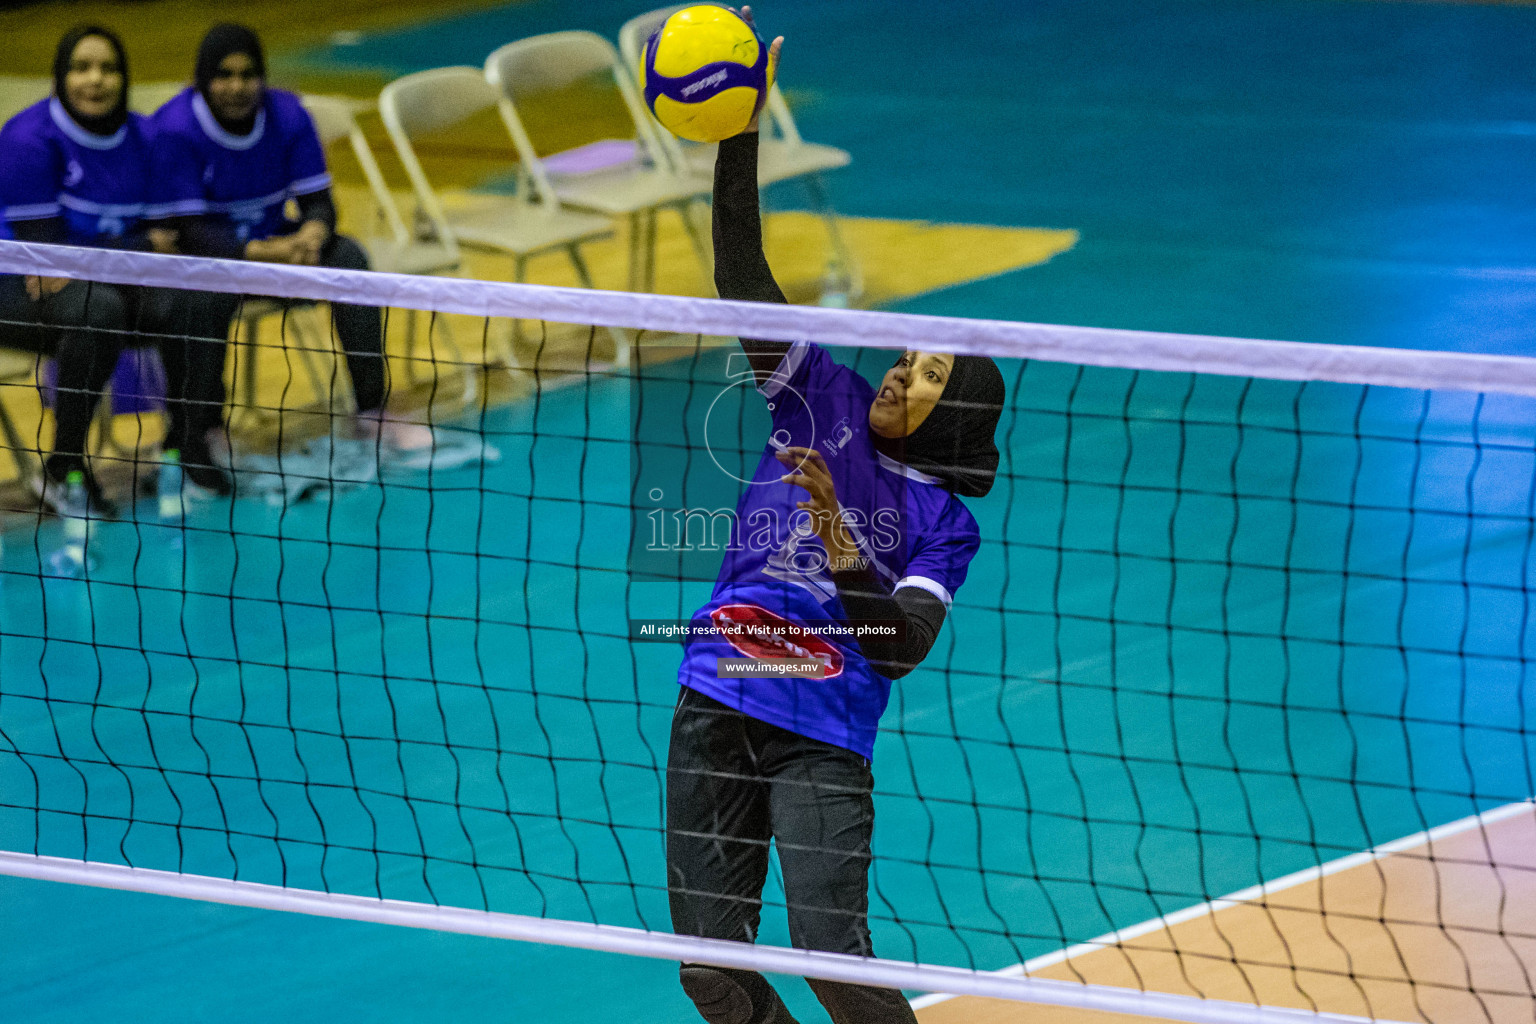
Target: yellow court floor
[(1453, 911)]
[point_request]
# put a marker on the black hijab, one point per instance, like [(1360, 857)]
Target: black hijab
[(955, 442), (109, 122), (221, 41)]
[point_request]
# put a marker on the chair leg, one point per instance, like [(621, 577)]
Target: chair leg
[(509, 350), (468, 370), (696, 215), (250, 334), (841, 254), (308, 347), (636, 240), (648, 280), (621, 343), (412, 371)]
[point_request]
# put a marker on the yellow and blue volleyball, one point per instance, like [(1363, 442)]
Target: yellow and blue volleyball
[(704, 73)]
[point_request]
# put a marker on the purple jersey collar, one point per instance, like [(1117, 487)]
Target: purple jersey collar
[(70, 128), (215, 131)]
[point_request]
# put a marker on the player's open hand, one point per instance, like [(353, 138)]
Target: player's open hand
[(773, 64), (809, 470)]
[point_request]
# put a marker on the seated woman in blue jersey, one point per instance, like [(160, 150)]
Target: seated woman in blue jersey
[(76, 170), (230, 154), (854, 518)]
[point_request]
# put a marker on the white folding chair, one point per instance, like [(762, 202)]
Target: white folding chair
[(523, 225), (782, 154), (633, 178), (399, 251)]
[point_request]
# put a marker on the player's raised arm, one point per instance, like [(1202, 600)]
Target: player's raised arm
[(741, 268)]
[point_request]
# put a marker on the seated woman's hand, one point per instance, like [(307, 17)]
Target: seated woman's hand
[(163, 240), (308, 241), (277, 249), (39, 288)]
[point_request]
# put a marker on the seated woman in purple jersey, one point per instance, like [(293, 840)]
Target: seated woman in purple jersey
[(76, 170), (231, 153), (853, 521)]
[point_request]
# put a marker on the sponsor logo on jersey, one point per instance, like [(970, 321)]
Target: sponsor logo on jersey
[(758, 633)]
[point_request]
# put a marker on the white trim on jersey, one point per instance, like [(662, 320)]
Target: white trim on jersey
[(102, 209), (250, 207), (180, 208), (777, 381), (253, 205), (90, 140), (32, 211), (865, 548), (313, 183), (907, 471), (933, 587), (215, 131)]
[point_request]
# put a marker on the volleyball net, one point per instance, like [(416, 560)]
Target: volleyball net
[(1230, 721)]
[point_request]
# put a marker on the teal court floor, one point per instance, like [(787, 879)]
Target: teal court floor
[(1134, 736)]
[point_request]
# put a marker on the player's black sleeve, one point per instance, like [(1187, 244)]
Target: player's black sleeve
[(207, 236), (318, 206), (916, 614), (741, 269)]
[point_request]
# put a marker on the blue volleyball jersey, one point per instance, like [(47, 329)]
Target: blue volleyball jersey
[(203, 170), (913, 531), (51, 167)]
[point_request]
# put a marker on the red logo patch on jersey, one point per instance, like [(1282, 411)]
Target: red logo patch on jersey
[(758, 633)]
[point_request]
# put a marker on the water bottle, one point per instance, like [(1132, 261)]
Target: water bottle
[(73, 558), (835, 287), (169, 487)]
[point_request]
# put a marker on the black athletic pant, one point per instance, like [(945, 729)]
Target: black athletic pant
[(192, 332), (734, 783), (84, 327), (360, 330)]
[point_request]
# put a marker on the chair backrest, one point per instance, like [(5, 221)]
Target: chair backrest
[(632, 39), (335, 119), (528, 67), (548, 62), (635, 32), (427, 102), (332, 116)]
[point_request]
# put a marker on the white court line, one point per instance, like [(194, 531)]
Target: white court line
[(1251, 893)]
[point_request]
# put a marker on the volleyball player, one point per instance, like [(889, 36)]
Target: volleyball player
[(231, 152), (858, 528), (76, 170)]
